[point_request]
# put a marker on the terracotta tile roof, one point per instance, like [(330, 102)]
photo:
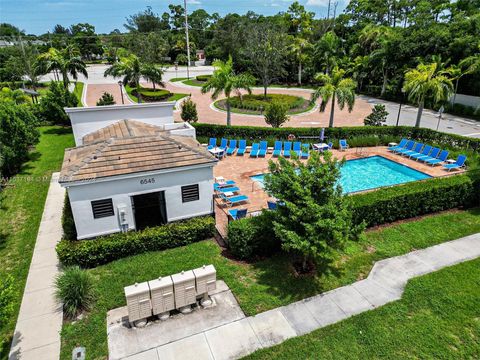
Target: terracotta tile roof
[(122, 129), (131, 154)]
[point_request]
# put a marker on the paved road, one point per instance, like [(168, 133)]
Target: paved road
[(408, 115)]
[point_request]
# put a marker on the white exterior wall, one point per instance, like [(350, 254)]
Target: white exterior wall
[(120, 189), (89, 119), (467, 100)]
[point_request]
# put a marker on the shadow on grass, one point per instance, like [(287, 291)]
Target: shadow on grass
[(64, 130)]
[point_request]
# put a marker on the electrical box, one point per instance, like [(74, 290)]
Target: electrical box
[(184, 286), (138, 302), (161, 291), (205, 278)]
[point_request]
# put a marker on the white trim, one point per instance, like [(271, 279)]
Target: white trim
[(67, 184), (119, 107)]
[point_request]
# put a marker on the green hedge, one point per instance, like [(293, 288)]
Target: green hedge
[(91, 253), (203, 78), (151, 95), (258, 102), (382, 135)]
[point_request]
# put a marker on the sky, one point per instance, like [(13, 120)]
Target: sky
[(40, 16)]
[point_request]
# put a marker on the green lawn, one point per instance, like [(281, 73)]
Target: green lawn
[(262, 285), (437, 318), (78, 91), (194, 82), (21, 208), (178, 79)]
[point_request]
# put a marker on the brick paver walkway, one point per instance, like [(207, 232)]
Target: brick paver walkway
[(95, 92), (385, 283)]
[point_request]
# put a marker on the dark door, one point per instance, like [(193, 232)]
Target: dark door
[(149, 209)]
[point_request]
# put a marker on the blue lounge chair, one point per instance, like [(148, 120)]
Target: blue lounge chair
[(433, 155), (458, 164), (263, 149), (407, 147), (254, 150), (330, 145), (343, 144), (287, 147), (236, 214), (272, 205), (443, 157), (212, 143), (226, 184), (418, 147), (277, 149), (297, 148), (242, 145), (426, 150), (305, 151), (223, 144), (223, 190), (232, 146), (401, 145), (232, 200)]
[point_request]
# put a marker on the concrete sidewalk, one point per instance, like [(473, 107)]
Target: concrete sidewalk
[(385, 283), (37, 333)]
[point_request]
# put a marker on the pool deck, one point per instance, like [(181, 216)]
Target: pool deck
[(241, 168)]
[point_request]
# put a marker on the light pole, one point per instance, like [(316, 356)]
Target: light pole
[(400, 107), (176, 69), (188, 40), (440, 112), (120, 83)]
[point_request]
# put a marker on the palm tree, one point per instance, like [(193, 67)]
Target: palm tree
[(469, 65), (66, 62), (328, 49), (225, 80), (337, 88), (154, 74), (427, 81), (299, 48)]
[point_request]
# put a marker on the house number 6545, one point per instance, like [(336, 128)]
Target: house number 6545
[(147, 181)]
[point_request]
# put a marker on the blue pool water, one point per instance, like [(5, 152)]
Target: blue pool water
[(370, 173)]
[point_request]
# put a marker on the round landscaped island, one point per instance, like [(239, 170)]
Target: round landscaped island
[(256, 104)]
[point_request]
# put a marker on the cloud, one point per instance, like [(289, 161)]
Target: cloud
[(194, 2)]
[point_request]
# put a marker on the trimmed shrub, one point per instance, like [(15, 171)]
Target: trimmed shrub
[(68, 223), (153, 95), (414, 199), (252, 237), (91, 253), (258, 102), (74, 288), (203, 78), (106, 99), (276, 114), (189, 111)]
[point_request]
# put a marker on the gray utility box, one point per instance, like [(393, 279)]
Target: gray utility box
[(138, 302), (161, 291), (206, 279), (184, 285)]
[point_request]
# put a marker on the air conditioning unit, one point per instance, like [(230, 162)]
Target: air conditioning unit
[(163, 300), (185, 293), (138, 304), (206, 280)]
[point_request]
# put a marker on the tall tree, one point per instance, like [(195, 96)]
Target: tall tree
[(86, 40), (328, 50), (146, 21), (224, 80), (300, 49), (427, 82), (335, 88)]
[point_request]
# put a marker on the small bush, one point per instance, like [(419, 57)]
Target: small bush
[(276, 114), (377, 117), (106, 99), (74, 288), (252, 237), (51, 105), (189, 111), (68, 223), (91, 253), (203, 78)]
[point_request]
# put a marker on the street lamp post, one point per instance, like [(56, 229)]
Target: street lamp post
[(400, 107), (188, 40), (440, 112), (176, 69), (120, 83)]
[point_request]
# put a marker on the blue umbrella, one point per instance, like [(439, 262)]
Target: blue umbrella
[(322, 135)]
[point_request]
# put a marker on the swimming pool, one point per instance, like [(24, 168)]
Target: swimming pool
[(371, 173)]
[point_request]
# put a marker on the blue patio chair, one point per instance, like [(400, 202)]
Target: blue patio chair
[(223, 190), (272, 205), (287, 147), (408, 147), (263, 149), (223, 144), (401, 145), (232, 200), (442, 158), (418, 147), (426, 150), (330, 145), (297, 148), (242, 146), (343, 144), (254, 150), (232, 146), (433, 155), (212, 143), (226, 184), (277, 149), (460, 163), (305, 151), (236, 214)]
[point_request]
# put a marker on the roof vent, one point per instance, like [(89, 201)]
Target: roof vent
[(94, 157), (180, 147)]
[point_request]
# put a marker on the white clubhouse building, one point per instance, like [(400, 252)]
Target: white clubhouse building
[(134, 167)]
